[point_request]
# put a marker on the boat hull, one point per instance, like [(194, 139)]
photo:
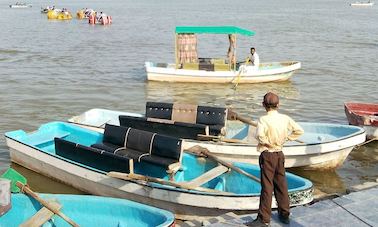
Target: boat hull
[(170, 74), (364, 115), (362, 4), (185, 204), (84, 210)]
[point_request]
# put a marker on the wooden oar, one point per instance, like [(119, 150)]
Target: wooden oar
[(251, 122), (18, 181), (218, 138), (366, 142), (134, 176), (202, 151)]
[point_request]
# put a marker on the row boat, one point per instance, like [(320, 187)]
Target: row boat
[(87, 211), (325, 146), (20, 6), (70, 154), (369, 3), (189, 68), (364, 115)]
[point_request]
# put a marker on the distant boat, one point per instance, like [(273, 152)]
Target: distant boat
[(188, 67), (87, 210), (364, 115), (325, 146), (369, 3), (82, 158), (20, 5)]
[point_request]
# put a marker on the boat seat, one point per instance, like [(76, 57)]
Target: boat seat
[(141, 146), (177, 129), (93, 157)]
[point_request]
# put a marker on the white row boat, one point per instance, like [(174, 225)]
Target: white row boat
[(20, 6), (325, 146), (267, 72), (362, 4)]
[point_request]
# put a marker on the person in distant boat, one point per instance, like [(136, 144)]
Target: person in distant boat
[(253, 58), (272, 131)]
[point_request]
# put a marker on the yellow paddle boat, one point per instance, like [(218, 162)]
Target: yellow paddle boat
[(58, 14)]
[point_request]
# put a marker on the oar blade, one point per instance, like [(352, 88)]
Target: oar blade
[(14, 176)]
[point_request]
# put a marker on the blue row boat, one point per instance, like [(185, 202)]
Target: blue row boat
[(88, 211), (82, 158)]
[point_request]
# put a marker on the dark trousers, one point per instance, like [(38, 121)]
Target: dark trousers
[(273, 178)]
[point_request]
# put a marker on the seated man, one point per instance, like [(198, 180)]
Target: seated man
[(253, 59)]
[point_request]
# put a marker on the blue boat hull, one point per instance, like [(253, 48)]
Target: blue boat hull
[(88, 211)]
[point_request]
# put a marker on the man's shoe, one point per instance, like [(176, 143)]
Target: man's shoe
[(257, 223), (284, 219)]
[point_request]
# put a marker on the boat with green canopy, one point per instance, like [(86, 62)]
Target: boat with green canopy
[(188, 67)]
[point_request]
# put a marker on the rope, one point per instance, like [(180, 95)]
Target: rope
[(366, 142)]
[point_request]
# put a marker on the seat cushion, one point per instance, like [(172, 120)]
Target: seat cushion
[(139, 140), (109, 147), (115, 134), (167, 147), (159, 110), (211, 115), (157, 160), (91, 157)]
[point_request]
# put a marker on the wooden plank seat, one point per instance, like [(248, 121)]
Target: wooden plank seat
[(179, 120), (141, 146), (93, 157)]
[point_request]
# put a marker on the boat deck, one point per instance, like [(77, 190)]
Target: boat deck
[(354, 209)]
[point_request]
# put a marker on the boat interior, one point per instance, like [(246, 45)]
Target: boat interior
[(130, 150), (219, 64)]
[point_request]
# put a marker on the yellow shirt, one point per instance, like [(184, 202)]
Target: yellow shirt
[(275, 129)]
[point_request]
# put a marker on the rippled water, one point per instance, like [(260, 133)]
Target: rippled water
[(51, 70)]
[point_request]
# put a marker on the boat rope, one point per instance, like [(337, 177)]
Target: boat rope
[(351, 213), (366, 142)]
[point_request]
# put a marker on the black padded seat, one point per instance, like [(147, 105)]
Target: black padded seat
[(159, 110), (109, 147), (115, 135), (91, 157), (211, 115), (157, 160), (178, 129)]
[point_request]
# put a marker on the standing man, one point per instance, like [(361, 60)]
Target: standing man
[(273, 130), (253, 59)]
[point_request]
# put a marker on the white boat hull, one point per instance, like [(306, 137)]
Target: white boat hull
[(319, 157), (249, 75), (371, 131), (20, 6), (187, 206), (362, 4)]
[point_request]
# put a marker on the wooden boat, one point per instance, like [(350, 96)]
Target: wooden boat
[(325, 146), (85, 210), (20, 6), (189, 68), (62, 151), (364, 115), (369, 3)]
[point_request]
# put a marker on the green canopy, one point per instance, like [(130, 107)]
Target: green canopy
[(215, 30)]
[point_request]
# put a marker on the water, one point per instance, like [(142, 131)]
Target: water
[(51, 70)]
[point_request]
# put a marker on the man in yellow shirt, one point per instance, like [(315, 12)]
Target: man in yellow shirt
[(273, 130)]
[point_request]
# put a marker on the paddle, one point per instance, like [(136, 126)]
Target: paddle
[(134, 176), (19, 183), (233, 115), (202, 151)]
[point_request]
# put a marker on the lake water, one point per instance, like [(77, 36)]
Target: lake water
[(51, 70)]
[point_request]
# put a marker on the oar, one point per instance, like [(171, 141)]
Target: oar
[(218, 138), (19, 183), (250, 121), (202, 151), (134, 176)]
